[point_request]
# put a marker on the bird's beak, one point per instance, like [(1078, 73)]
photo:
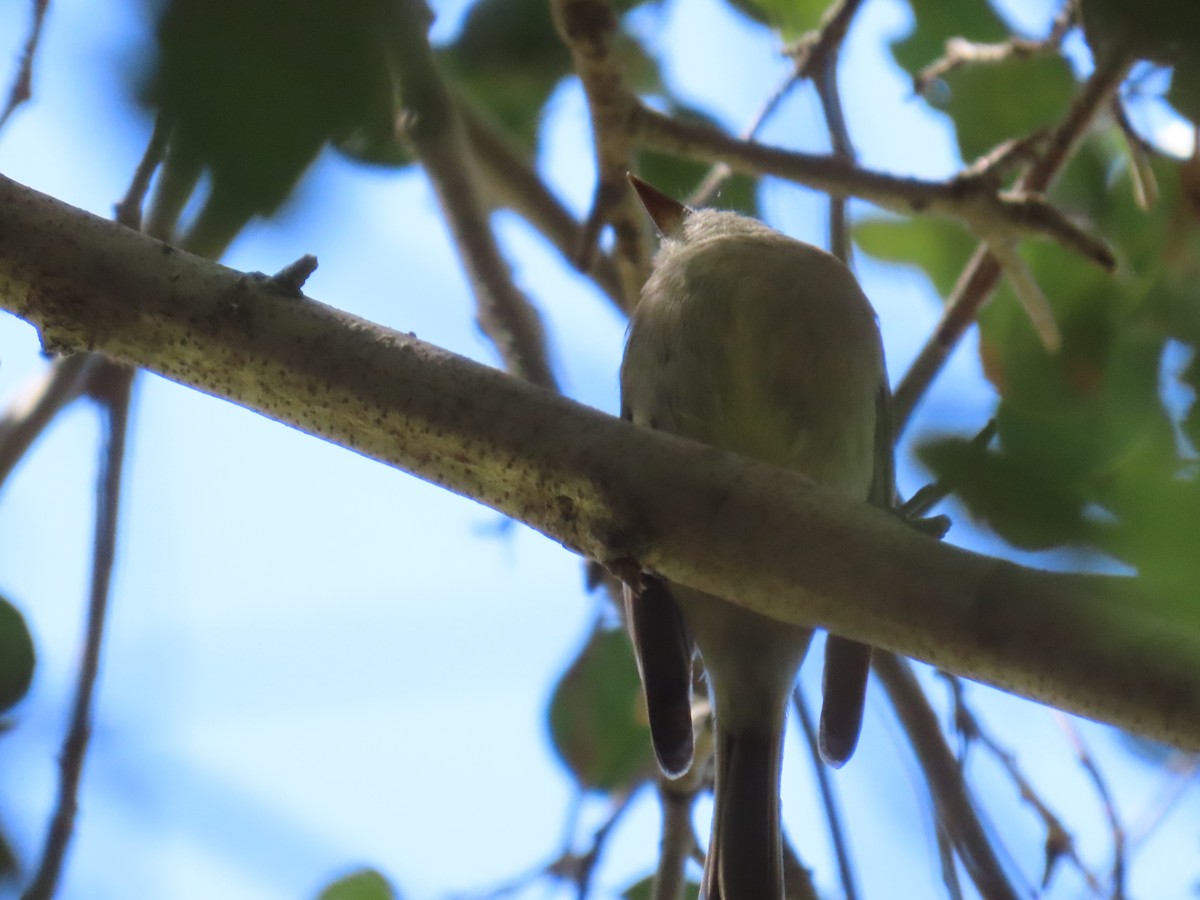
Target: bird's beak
[(666, 212)]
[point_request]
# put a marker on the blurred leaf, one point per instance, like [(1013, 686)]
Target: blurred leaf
[(365, 884), (1087, 453), (791, 18), (1184, 92), (936, 20), (253, 91), (509, 57), (598, 718), (643, 890), (1165, 31), (17, 657), (937, 246), (1011, 495), (992, 102)]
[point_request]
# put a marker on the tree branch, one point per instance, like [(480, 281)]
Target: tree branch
[(504, 312), (982, 271), (604, 488), (970, 199), (588, 28)]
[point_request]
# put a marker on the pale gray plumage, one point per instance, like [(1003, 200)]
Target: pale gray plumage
[(750, 341)]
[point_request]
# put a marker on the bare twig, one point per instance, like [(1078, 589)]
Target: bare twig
[(678, 842), (129, 209), (1029, 295), (839, 137), (22, 86), (515, 185), (833, 812), (1141, 172), (587, 28), (956, 811), (968, 199), (1107, 801), (505, 314), (1059, 842), (110, 384), (811, 56), (960, 52), (947, 862), (982, 272), (578, 868), (37, 403)]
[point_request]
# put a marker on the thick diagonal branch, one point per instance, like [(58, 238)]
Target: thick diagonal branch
[(602, 487)]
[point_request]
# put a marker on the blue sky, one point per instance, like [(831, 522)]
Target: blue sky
[(316, 661)]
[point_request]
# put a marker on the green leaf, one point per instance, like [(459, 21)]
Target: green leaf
[(791, 18), (643, 890), (507, 59), (365, 884), (990, 103), (17, 657), (1165, 31), (253, 91), (937, 246), (1087, 453), (597, 716)]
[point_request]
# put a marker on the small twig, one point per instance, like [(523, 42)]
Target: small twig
[(839, 136), (110, 384), (961, 52), (956, 811), (1029, 295), (982, 272), (678, 842), (129, 209), (517, 186), (1059, 842), (588, 28), (833, 812), (949, 868), (1141, 172), (970, 200), (22, 87), (929, 496), (37, 403), (810, 57), (579, 868), (504, 313), (1106, 799)]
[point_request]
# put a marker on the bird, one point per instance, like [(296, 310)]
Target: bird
[(754, 342)]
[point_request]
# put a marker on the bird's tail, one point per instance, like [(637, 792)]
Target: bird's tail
[(745, 852)]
